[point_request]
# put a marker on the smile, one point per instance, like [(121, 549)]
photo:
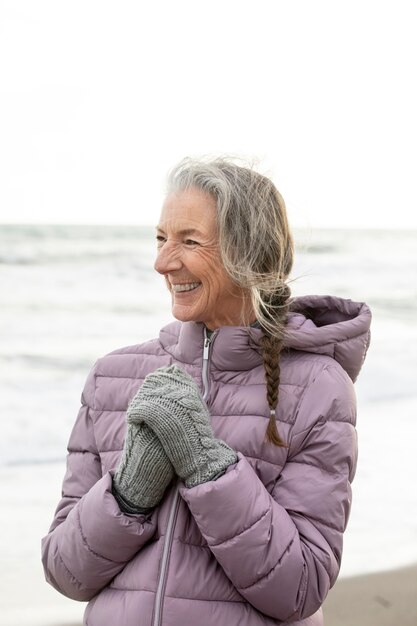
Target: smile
[(185, 287)]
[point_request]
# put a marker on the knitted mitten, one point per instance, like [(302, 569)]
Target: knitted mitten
[(144, 471), (169, 402)]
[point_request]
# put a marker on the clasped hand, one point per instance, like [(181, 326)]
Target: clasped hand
[(168, 432)]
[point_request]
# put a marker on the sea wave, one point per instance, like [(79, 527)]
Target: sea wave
[(43, 361), (20, 462), (43, 244)]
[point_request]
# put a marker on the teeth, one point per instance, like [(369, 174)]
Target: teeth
[(186, 287)]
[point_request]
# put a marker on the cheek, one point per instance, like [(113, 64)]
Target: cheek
[(208, 268), (217, 283), (209, 264)]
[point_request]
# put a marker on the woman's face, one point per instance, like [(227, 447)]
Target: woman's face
[(188, 256)]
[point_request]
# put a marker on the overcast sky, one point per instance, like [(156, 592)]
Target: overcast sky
[(99, 99)]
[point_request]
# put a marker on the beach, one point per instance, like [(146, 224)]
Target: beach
[(381, 599), (31, 493)]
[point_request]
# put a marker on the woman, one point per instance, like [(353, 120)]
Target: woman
[(209, 470)]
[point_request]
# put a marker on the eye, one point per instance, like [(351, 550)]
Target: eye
[(191, 242), (160, 239)]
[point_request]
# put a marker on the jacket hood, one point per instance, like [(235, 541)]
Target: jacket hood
[(337, 327)]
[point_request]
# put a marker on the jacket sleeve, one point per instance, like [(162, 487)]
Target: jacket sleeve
[(90, 539), (282, 550)]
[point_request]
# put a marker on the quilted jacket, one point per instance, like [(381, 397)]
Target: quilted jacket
[(262, 544)]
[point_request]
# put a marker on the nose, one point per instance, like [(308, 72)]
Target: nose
[(167, 259)]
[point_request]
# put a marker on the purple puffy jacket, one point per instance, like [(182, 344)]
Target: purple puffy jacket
[(260, 545)]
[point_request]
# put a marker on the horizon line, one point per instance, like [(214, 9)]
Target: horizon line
[(138, 225)]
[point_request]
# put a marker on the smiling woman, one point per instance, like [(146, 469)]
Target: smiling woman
[(209, 469)]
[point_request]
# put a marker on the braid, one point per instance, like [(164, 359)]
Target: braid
[(271, 350)]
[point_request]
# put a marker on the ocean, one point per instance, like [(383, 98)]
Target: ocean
[(70, 294)]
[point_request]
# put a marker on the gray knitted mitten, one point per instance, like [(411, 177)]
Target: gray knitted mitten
[(169, 402), (144, 471)]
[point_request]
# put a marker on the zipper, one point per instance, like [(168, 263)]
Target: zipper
[(169, 534), (173, 512), (206, 353)]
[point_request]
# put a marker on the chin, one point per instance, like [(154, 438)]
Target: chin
[(183, 316)]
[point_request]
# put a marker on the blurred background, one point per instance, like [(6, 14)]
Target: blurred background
[(97, 102)]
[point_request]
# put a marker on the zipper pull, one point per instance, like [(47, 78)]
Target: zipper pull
[(204, 373), (206, 348)]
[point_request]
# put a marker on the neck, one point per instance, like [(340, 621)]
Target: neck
[(212, 327), (240, 317)]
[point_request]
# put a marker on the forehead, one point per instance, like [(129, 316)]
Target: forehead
[(189, 209)]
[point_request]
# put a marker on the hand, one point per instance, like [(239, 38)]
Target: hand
[(169, 402), (144, 471)]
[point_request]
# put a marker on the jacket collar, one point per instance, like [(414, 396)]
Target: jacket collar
[(336, 327), (235, 348)]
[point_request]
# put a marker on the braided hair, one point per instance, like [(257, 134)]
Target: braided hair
[(272, 345)]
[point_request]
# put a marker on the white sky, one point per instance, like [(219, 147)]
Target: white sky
[(99, 99)]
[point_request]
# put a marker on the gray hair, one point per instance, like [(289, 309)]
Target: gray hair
[(256, 245)]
